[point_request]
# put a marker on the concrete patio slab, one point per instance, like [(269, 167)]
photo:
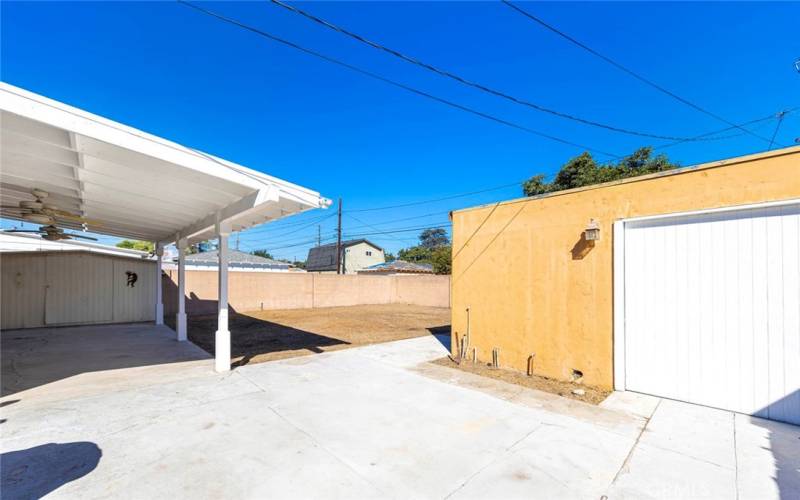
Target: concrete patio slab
[(375, 422), (50, 364)]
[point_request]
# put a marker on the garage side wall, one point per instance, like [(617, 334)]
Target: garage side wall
[(534, 286), (70, 288)]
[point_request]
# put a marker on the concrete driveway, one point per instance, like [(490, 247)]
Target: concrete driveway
[(373, 422)]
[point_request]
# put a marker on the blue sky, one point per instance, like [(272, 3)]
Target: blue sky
[(171, 71)]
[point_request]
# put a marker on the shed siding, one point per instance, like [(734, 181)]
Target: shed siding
[(65, 288), (23, 288)]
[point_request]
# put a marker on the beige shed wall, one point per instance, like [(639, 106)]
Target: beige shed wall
[(65, 288)]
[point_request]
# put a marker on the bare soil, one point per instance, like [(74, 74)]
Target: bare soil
[(261, 336), (592, 395)]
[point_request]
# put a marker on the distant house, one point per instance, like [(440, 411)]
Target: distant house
[(356, 255), (237, 261), (398, 267)]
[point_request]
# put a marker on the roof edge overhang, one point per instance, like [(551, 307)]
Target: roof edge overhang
[(268, 197)]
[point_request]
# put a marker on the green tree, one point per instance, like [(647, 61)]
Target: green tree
[(144, 246), (434, 238), (389, 256), (434, 249), (263, 253), (441, 259), (583, 170)]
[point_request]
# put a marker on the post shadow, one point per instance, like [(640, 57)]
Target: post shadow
[(40, 470)]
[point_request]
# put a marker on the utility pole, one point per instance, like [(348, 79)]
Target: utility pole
[(237, 241), (339, 241), (319, 235)]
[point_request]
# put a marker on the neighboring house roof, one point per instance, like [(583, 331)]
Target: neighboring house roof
[(399, 266), (323, 258), (235, 259)]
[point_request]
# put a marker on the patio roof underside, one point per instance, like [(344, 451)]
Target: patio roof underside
[(127, 183)]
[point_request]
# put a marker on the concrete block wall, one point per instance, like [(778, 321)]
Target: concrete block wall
[(264, 291)]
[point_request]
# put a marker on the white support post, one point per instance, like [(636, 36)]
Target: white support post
[(180, 318), (222, 346), (159, 250)]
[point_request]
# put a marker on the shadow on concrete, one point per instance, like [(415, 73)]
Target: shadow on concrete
[(442, 334), (38, 471), (251, 337), (784, 444), (38, 356)]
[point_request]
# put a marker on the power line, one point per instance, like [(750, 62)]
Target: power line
[(293, 231), (395, 220), (403, 86), (518, 183), (745, 124), (629, 71), (475, 85), (434, 200), (404, 230), (777, 126), (368, 225), (286, 223)]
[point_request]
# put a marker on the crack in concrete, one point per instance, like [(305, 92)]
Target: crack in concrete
[(326, 450), (633, 447), (495, 460)]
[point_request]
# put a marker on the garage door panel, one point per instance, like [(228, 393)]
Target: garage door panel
[(712, 309)]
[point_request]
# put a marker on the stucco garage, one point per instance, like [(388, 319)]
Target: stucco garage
[(690, 292)]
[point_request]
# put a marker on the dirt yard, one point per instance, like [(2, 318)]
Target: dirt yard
[(591, 395), (261, 336)]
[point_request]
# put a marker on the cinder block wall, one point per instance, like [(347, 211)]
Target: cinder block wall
[(533, 286), (264, 291)]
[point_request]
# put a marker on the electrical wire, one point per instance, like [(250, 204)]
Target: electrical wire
[(395, 220), (293, 231), (394, 83), (404, 230), (628, 71), (434, 200), (475, 85), (518, 183), (777, 126), (367, 225)]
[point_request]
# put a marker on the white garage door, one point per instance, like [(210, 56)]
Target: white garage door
[(712, 309)]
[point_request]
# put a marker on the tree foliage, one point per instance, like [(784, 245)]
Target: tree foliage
[(434, 248), (583, 170), (263, 253), (434, 238), (144, 246)]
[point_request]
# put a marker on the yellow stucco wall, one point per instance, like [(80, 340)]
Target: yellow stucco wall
[(532, 287)]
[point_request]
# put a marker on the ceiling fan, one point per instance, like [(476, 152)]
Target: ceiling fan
[(51, 233), (39, 211)]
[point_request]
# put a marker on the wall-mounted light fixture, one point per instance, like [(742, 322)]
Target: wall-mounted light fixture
[(592, 231)]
